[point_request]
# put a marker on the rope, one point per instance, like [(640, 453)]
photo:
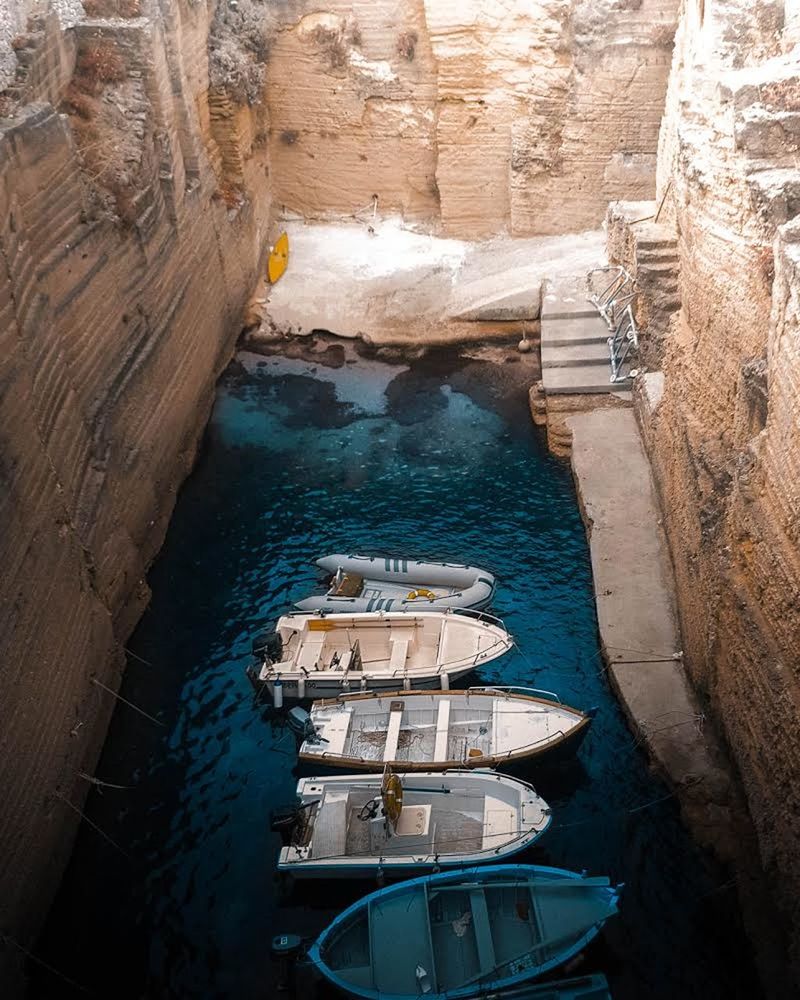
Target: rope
[(7, 939), (130, 704), (93, 825), (130, 652), (99, 783)]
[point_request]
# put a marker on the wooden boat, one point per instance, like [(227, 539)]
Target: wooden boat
[(348, 826), (375, 583), (463, 934), (439, 730), (591, 987), (318, 655)]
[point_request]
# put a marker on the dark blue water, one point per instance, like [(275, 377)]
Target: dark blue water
[(439, 461)]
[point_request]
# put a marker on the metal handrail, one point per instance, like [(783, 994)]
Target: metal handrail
[(615, 296), (615, 304), (624, 338)]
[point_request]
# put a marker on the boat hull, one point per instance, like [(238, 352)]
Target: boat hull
[(360, 981), (323, 656), (389, 582), (305, 688), (458, 819), (557, 746)]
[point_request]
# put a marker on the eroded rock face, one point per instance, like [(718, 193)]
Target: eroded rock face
[(725, 434), (127, 254), (520, 116)]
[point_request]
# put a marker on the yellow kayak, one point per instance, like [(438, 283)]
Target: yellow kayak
[(278, 258)]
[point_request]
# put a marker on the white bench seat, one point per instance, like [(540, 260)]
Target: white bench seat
[(393, 734), (500, 820), (399, 654), (442, 731), (310, 653), (329, 837), (336, 730)]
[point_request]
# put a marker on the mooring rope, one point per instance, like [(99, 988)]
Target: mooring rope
[(8, 939), (141, 711), (101, 784), (92, 824)]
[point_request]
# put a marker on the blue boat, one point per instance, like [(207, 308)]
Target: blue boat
[(591, 987), (459, 935)]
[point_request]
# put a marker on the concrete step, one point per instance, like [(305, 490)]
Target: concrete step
[(579, 380), (657, 267), (574, 355), (566, 298), (570, 330), (660, 255), (655, 241)]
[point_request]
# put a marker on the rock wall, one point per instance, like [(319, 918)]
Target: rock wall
[(724, 433), (523, 116), (125, 262)]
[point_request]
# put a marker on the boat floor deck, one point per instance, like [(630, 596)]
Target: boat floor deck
[(415, 744), (339, 831), (448, 833)]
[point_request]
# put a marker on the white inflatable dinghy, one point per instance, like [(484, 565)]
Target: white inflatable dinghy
[(388, 583)]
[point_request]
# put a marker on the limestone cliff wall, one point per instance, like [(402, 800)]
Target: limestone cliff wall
[(524, 116), (725, 436), (123, 276)]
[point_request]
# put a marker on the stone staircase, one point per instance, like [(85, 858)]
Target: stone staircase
[(575, 355), (657, 273)]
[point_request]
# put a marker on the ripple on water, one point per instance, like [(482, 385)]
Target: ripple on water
[(300, 460)]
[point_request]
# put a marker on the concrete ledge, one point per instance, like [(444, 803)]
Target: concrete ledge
[(638, 627)]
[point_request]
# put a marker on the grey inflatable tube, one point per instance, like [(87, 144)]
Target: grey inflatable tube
[(388, 583)]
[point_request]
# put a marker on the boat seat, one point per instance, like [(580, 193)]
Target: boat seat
[(350, 585), (397, 660), (487, 961), (336, 732), (500, 821), (310, 654), (393, 734), (414, 821), (329, 837), (442, 731)]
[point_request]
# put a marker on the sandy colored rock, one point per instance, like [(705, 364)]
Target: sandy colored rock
[(520, 117), (723, 428), (389, 284)]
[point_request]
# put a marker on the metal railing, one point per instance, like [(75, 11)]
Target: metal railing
[(623, 339), (614, 299)]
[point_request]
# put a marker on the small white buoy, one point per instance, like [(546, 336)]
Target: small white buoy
[(445, 681), (524, 346), (301, 687), (277, 693)]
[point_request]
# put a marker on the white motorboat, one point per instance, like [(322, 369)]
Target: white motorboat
[(390, 583), (439, 730), (349, 826), (317, 655)]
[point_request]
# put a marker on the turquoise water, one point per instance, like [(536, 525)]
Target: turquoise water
[(438, 460)]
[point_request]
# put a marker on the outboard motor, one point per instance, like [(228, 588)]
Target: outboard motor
[(299, 721), (268, 646), (285, 821), (284, 950)]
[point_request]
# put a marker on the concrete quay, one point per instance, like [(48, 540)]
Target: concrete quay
[(639, 632)]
